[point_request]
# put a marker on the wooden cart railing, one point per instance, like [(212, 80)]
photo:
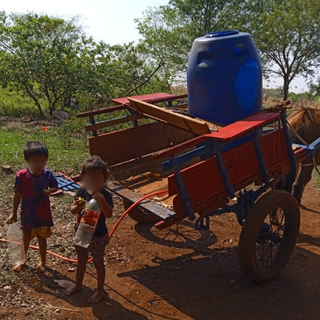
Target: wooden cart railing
[(124, 104)]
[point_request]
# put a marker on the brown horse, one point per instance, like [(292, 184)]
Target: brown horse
[(306, 123)]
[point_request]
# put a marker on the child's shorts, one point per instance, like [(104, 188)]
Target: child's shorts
[(96, 248), (43, 232)]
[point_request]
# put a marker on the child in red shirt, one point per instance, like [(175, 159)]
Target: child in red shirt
[(34, 185)]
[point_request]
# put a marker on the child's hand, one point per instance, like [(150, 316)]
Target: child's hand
[(12, 218), (106, 209), (46, 192), (77, 205), (79, 202), (98, 196)]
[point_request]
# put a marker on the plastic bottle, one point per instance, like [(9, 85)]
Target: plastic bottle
[(17, 254), (87, 225)]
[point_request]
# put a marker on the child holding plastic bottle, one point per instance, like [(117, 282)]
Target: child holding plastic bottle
[(94, 176), (33, 185)]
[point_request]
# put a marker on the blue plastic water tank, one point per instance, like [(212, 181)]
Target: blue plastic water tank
[(224, 77)]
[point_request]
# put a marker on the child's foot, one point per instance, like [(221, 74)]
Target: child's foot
[(97, 297), (41, 268), (19, 267), (73, 289)]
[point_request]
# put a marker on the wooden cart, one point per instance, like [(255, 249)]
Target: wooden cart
[(206, 171)]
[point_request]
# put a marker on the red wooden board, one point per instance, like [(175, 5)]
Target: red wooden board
[(228, 133), (240, 128), (118, 146), (204, 183), (153, 97), (101, 111)]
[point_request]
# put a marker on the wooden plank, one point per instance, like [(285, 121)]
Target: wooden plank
[(226, 134), (101, 111), (148, 205), (113, 122), (241, 128), (75, 178), (152, 97), (122, 103), (198, 127), (203, 180), (119, 146)]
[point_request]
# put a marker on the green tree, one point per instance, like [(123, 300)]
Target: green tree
[(128, 70), (287, 33), (46, 58), (168, 31)]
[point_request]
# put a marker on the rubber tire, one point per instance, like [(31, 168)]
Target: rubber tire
[(251, 228), (140, 215)]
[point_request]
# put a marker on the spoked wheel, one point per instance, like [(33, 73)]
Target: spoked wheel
[(269, 235), (140, 215)]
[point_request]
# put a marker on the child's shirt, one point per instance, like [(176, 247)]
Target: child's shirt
[(35, 206), (101, 228)]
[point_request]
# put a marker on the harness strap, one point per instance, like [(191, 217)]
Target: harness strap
[(296, 134)]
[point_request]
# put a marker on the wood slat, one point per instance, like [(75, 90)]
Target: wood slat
[(149, 206), (101, 111), (227, 133), (242, 127), (198, 127), (203, 181), (123, 103), (221, 199), (113, 122), (119, 146), (152, 97)]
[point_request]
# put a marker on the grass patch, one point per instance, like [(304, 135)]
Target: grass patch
[(67, 146), (13, 104), (316, 178)]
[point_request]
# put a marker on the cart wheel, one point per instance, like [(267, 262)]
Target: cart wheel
[(140, 215), (269, 235)]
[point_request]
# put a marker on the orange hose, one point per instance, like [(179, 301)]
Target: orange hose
[(112, 231)]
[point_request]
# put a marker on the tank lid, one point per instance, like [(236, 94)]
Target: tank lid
[(221, 34)]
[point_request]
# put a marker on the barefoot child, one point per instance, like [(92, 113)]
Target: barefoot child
[(34, 185), (94, 176)]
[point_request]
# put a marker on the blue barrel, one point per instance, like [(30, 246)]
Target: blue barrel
[(224, 77)]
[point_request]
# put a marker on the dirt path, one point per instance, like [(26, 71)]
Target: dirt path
[(174, 274)]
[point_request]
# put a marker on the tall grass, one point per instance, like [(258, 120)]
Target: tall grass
[(13, 104), (64, 154)]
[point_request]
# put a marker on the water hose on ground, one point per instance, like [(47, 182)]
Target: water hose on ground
[(112, 231)]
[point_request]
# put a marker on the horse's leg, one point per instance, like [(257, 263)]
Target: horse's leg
[(301, 181), (287, 180)]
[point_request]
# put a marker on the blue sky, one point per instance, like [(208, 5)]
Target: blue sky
[(111, 20)]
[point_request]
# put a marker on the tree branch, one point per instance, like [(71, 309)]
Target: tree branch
[(33, 98), (147, 80)]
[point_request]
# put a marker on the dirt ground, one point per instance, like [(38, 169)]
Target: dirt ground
[(174, 274)]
